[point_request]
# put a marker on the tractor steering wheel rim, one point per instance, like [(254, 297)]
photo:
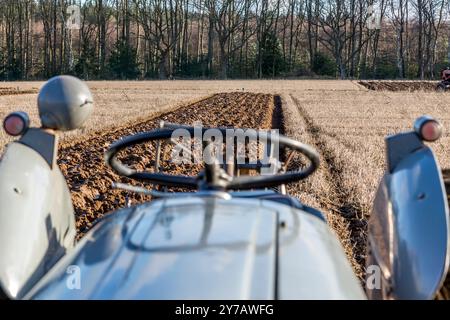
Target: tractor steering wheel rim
[(245, 182)]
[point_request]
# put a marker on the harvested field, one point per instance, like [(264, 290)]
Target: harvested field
[(326, 189), (113, 106), (343, 120), (90, 180), (400, 85), (125, 102), (348, 129)]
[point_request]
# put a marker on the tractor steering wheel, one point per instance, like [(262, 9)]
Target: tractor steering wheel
[(244, 182)]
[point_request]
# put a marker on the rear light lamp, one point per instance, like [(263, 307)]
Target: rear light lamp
[(428, 128), (431, 131), (16, 123)]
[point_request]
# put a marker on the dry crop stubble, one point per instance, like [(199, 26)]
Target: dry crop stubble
[(121, 102), (113, 107), (318, 190), (348, 128)]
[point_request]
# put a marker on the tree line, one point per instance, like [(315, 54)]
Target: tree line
[(145, 39)]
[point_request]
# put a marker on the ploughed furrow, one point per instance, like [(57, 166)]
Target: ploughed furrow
[(7, 91), (397, 85), (338, 199), (89, 179)]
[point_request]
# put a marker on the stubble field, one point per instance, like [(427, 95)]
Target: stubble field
[(345, 121)]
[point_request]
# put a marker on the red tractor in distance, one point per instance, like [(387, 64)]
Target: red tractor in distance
[(444, 85)]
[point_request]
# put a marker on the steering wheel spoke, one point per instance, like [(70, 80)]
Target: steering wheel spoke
[(219, 181)]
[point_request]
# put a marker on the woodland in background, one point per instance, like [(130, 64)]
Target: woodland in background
[(164, 39)]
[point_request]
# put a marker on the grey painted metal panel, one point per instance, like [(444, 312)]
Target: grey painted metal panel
[(409, 228), (43, 143), (204, 248), (37, 224), (312, 262)]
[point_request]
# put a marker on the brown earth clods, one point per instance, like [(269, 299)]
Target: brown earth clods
[(6, 91), (400, 85), (89, 179)]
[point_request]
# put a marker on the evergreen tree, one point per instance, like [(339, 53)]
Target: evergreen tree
[(86, 66), (323, 65), (123, 61), (13, 69), (272, 58)]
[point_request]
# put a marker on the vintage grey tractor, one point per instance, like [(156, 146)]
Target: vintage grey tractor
[(238, 235)]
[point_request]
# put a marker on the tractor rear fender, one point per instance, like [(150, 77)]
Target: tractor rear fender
[(37, 223), (409, 225)]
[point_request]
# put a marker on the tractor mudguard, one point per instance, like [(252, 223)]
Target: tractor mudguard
[(37, 223), (409, 226)]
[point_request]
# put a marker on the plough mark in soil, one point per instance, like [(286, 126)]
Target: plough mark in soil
[(90, 180), (400, 85), (277, 115), (338, 202), (4, 91)]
